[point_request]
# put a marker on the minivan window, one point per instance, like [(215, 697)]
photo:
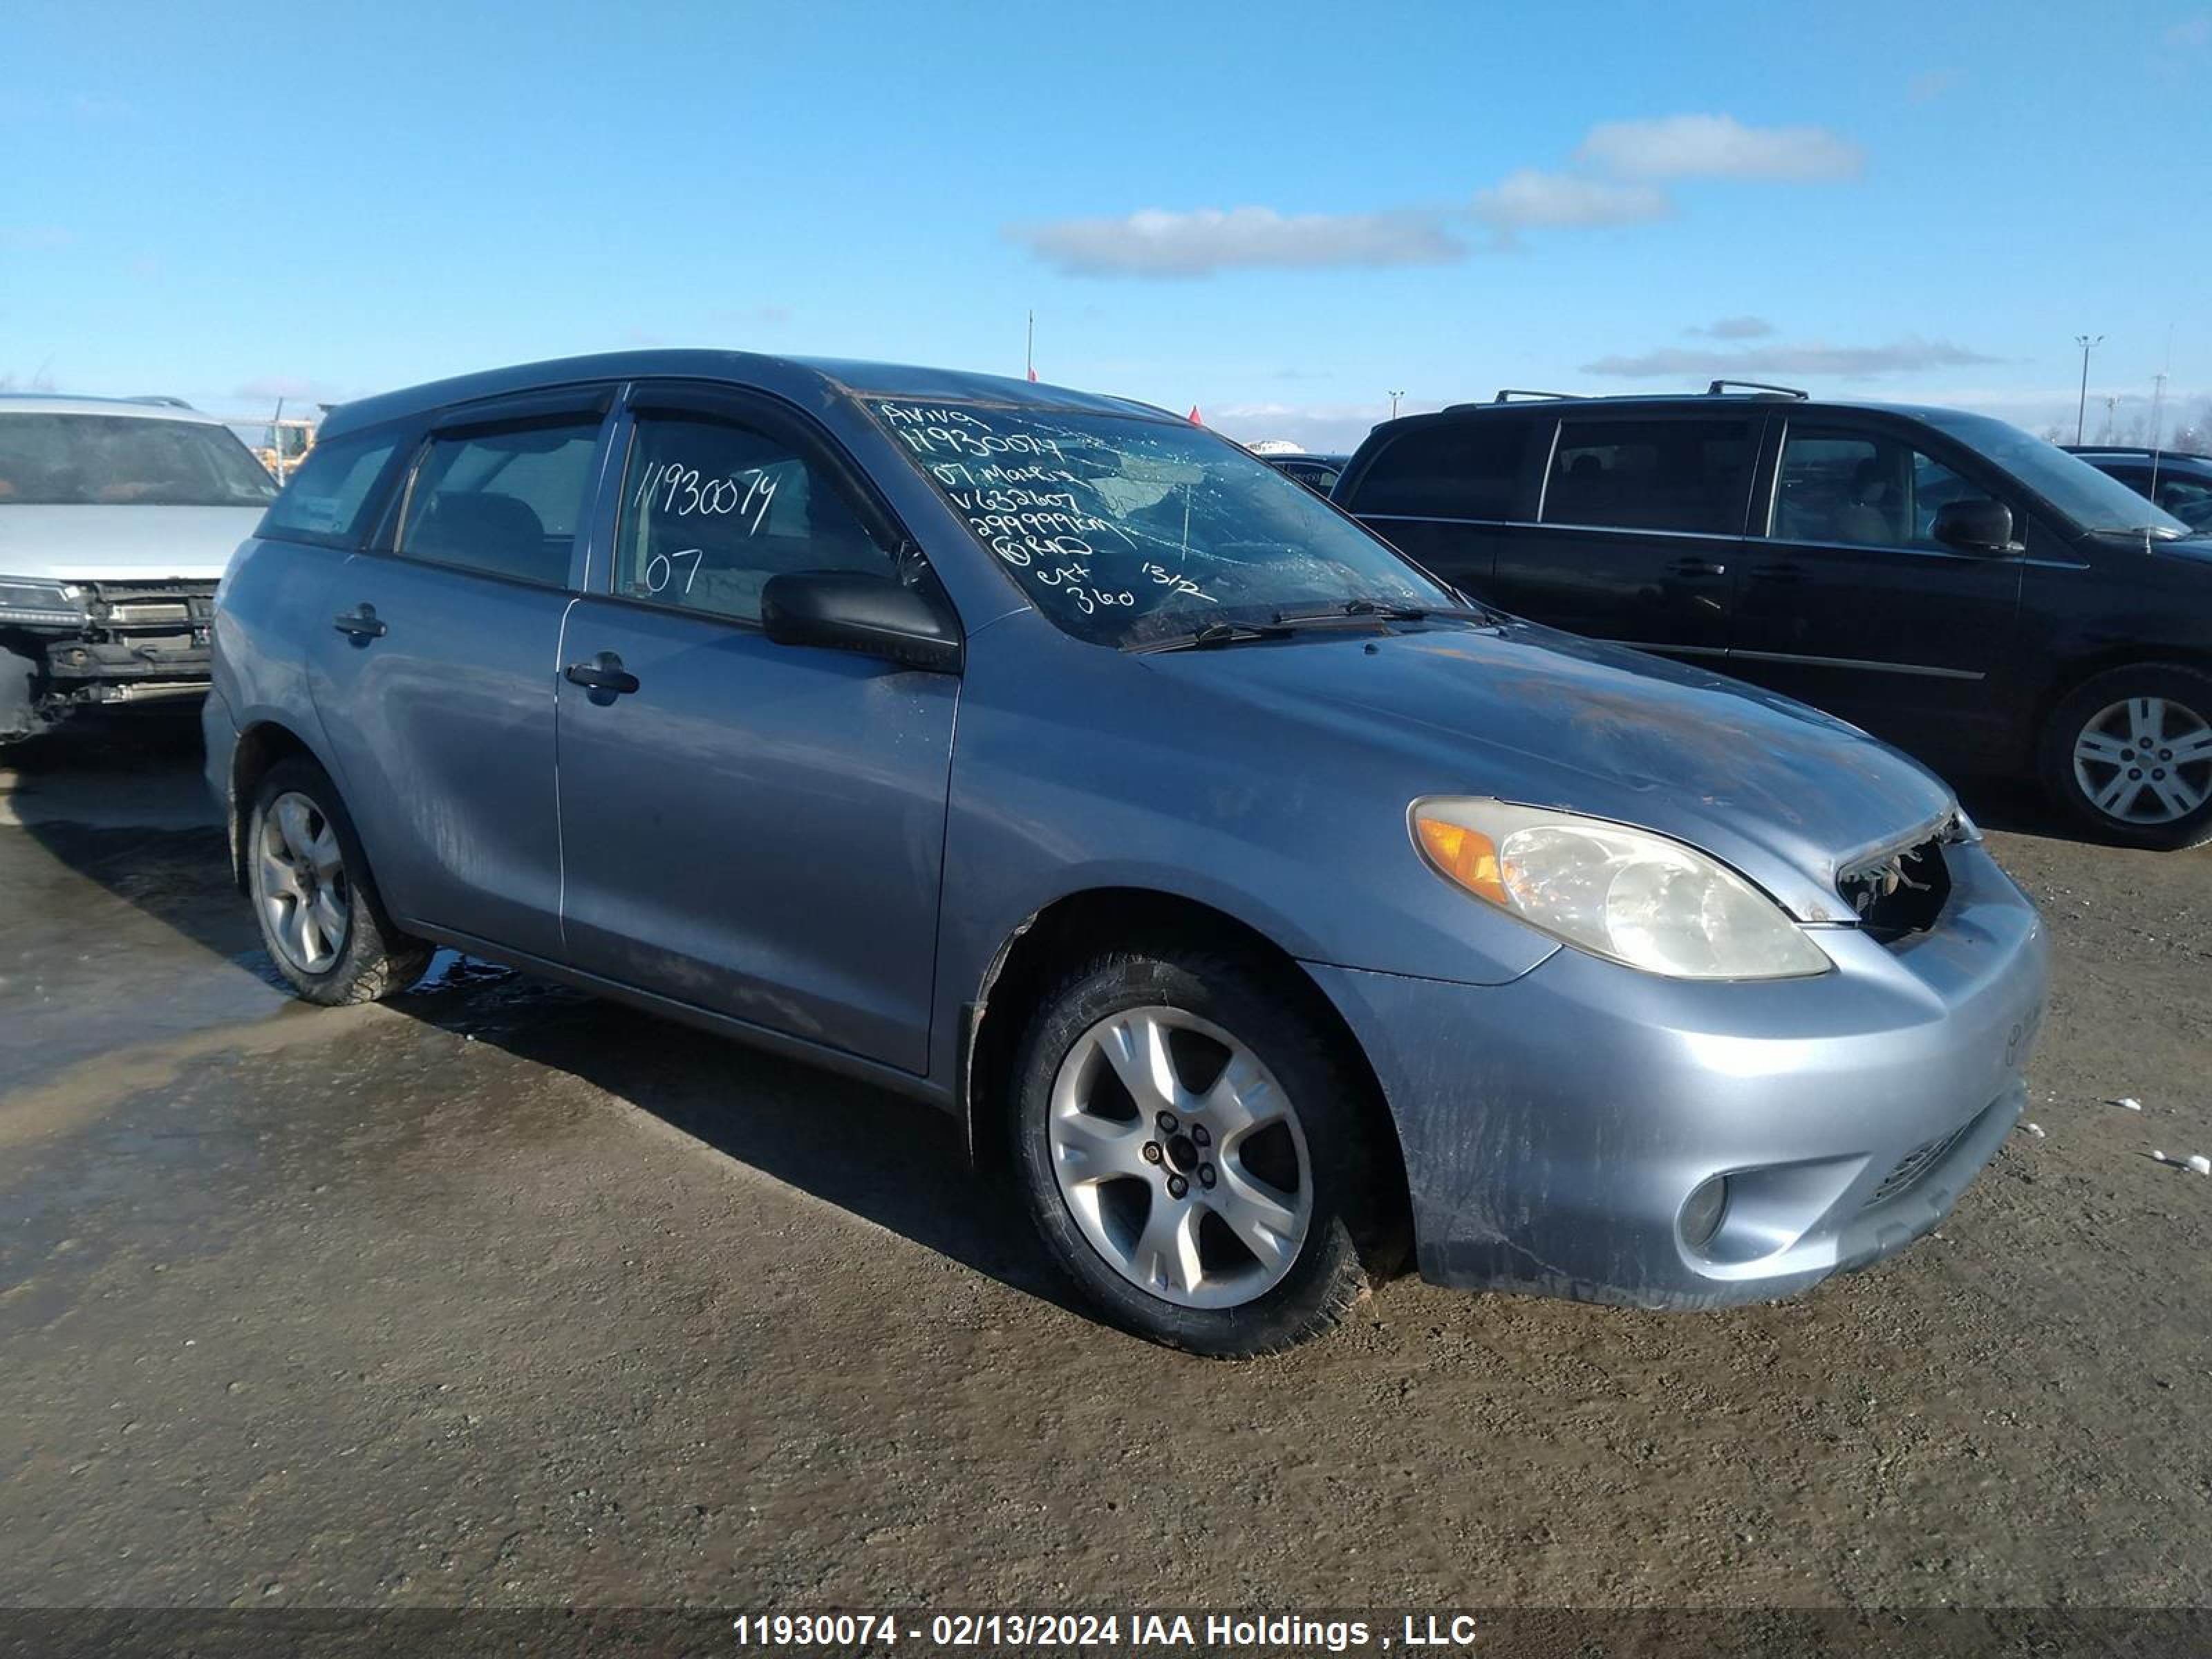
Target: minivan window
[(323, 502), (2092, 500), (1453, 470), (1121, 528), (126, 460), (506, 502), (713, 508), (1861, 490), (1687, 475)]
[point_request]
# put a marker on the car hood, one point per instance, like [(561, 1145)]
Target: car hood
[(1787, 795), (122, 544)]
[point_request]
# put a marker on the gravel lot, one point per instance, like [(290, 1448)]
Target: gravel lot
[(495, 1295)]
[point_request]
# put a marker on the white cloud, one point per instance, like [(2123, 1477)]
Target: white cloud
[(1158, 243), (1902, 356), (1717, 147), (1326, 429), (292, 388), (1734, 328), (1530, 199)]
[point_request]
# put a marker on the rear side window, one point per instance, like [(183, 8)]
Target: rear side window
[(1691, 475), (325, 501), (1456, 469), (503, 500), (713, 508)]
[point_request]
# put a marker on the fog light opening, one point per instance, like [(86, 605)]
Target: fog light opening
[(1702, 1212)]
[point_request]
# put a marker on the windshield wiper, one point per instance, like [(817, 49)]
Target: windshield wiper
[(1214, 633), (1386, 611)]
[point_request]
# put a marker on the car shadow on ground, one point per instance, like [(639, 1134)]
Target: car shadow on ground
[(892, 1161)]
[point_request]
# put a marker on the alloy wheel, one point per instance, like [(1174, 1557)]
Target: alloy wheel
[(1179, 1157), (2145, 760), (304, 895)]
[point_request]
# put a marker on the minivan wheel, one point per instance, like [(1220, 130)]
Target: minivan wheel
[(320, 918), (2129, 754), (1193, 1153)]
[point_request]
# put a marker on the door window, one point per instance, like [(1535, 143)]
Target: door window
[(1861, 490), (1691, 475), (1454, 470), (503, 500), (713, 508)]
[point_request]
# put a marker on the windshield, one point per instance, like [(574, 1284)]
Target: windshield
[(1124, 530), (2090, 498), (125, 460)]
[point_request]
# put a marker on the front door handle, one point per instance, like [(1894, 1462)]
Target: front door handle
[(362, 622), (605, 672), (1696, 568)]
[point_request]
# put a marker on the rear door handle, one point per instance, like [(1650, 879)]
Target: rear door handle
[(605, 672), (1696, 568), (362, 622)]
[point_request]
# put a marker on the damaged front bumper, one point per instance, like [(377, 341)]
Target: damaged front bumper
[(1560, 1131), (137, 642)]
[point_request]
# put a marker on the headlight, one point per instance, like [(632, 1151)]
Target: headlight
[(1626, 895), (39, 604)]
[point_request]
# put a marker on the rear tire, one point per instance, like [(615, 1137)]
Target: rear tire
[(321, 921), (1227, 1226), (2129, 755)]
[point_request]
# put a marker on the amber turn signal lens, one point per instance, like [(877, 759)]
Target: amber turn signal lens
[(1467, 856)]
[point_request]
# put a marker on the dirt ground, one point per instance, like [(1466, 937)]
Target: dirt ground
[(497, 1295)]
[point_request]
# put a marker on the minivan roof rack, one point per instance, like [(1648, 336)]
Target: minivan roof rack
[(1718, 387), (160, 400), (1506, 394)]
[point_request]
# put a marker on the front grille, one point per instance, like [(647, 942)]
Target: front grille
[(1913, 1165), (1901, 893)]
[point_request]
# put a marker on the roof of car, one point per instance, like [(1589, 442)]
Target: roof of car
[(63, 403), (2138, 453), (791, 377), (1631, 400)]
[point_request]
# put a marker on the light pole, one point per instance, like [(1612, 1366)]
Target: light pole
[(1394, 404), (2081, 409)]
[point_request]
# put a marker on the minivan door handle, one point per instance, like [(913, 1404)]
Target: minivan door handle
[(605, 672), (360, 624), (1696, 568)]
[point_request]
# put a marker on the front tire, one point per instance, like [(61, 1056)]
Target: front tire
[(2129, 754), (324, 927), (1194, 1155)]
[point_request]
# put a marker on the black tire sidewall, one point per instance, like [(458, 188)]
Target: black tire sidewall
[(1328, 1275), (369, 966), (2172, 680)]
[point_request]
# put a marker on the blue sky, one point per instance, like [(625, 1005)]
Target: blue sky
[(1280, 213)]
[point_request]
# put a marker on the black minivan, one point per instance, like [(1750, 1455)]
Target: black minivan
[(1948, 581)]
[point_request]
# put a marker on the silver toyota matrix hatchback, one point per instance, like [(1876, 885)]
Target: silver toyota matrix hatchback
[(1269, 908)]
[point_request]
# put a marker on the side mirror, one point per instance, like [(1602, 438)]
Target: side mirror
[(852, 610), (1979, 525)]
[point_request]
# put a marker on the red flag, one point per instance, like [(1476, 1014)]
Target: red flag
[(1194, 420), (1033, 374)]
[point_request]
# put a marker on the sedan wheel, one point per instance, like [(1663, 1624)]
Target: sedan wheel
[(1180, 1158), (2146, 761), (306, 899)]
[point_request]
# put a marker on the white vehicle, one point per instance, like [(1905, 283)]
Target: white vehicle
[(117, 517)]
